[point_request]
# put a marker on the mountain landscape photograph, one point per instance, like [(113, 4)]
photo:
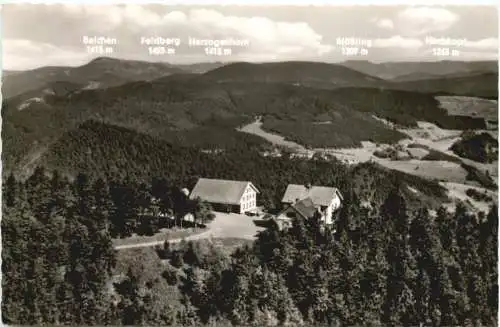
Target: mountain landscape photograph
[(248, 165)]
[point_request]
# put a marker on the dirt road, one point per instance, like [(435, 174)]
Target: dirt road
[(206, 234), (225, 225)]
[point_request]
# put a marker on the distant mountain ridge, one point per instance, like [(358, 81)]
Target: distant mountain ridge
[(202, 67), (102, 71), (300, 73), (105, 72), (168, 102), (483, 85), (393, 70)]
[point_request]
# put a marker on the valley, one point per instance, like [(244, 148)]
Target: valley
[(265, 166), (305, 109), (425, 138)]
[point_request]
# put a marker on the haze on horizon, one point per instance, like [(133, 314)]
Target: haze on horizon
[(53, 36)]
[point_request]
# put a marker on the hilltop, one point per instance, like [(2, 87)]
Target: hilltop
[(185, 105), (472, 84), (315, 104), (302, 73), (100, 72), (424, 70), (108, 151)]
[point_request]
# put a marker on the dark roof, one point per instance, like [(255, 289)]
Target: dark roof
[(320, 195), (220, 190), (305, 207)]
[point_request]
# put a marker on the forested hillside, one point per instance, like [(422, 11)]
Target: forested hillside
[(105, 151), (109, 151), (102, 72), (182, 105), (475, 84), (390, 265), (430, 69), (478, 147), (310, 74)]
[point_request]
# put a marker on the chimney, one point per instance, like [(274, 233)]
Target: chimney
[(308, 186)]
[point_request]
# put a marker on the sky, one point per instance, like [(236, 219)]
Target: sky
[(35, 35)]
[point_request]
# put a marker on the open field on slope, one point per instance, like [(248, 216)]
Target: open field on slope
[(255, 128), (457, 191), (441, 140), (470, 106), (425, 140), (441, 170), (431, 135)]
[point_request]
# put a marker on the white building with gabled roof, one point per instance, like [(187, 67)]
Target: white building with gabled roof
[(227, 195), (326, 199)]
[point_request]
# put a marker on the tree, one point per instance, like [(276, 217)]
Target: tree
[(10, 193), (38, 188), (488, 250), (61, 197), (192, 254), (399, 307), (201, 211), (103, 204), (143, 199), (124, 217), (180, 204), (83, 193), (131, 308), (177, 259), (170, 275)]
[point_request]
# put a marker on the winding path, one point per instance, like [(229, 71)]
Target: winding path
[(205, 234), (224, 226)]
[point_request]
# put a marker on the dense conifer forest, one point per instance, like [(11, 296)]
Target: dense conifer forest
[(394, 256), (389, 265), (100, 159), (111, 152)]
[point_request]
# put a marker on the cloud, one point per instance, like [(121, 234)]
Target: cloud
[(128, 23), (484, 44), (384, 23), (476, 55), (24, 54), (263, 33), (423, 20), (398, 42)]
